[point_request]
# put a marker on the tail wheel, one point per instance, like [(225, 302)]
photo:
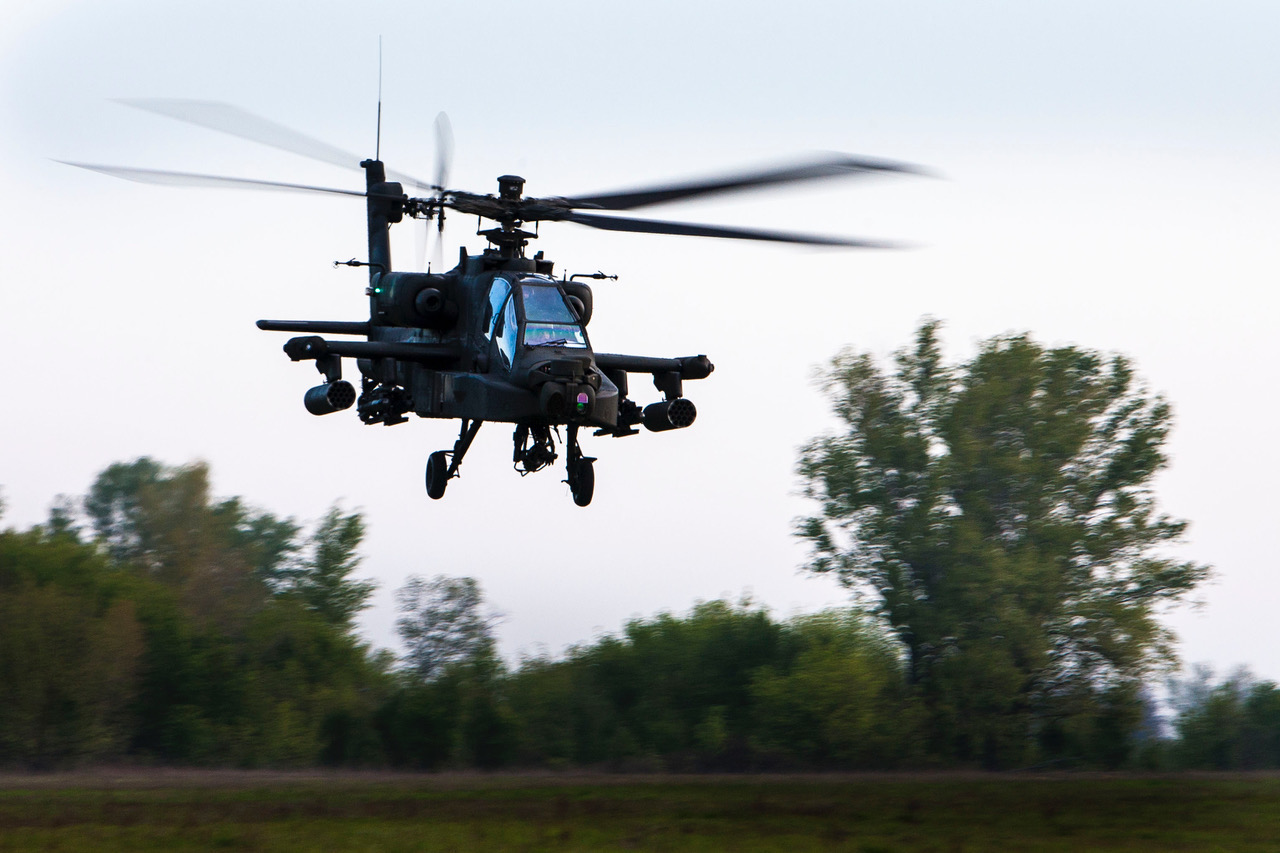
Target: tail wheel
[(583, 482), (438, 474)]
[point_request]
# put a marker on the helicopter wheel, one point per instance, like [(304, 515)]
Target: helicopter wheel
[(437, 474), (582, 484)]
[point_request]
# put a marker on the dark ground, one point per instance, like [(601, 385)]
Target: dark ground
[(180, 809)]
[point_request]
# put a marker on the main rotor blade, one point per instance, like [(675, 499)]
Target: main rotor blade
[(421, 234), (190, 179), (444, 151), (233, 121), (692, 229), (444, 162), (834, 166)]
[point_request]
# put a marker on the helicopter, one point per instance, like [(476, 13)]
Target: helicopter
[(497, 338)]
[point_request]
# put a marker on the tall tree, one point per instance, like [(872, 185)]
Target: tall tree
[(113, 506), (70, 646), (442, 622), (323, 581), (999, 516), (224, 558)]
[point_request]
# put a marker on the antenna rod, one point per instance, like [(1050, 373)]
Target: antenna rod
[(377, 147)]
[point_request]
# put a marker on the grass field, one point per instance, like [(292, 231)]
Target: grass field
[(221, 810)]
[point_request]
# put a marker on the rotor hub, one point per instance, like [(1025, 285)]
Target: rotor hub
[(510, 187)]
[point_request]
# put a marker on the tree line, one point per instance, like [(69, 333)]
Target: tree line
[(993, 521)]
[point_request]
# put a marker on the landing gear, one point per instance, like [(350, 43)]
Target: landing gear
[(441, 468), (581, 470), (534, 448), (437, 474), (582, 481)]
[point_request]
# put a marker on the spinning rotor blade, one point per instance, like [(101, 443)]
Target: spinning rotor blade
[(833, 166), (234, 121), (437, 250), (190, 179), (444, 151), (444, 160), (691, 229), (421, 234)]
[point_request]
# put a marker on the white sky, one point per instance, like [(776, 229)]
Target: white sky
[(1112, 181)]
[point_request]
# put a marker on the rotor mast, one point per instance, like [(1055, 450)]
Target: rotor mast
[(508, 236)]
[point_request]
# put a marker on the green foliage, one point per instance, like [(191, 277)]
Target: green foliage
[(62, 520), (161, 523), (190, 630), (442, 623), (70, 646), (842, 702), (322, 582), (677, 691), (291, 689), (269, 544), (452, 707), (725, 687), (114, 507), (1233, 725), (999, 516), (197, 631)]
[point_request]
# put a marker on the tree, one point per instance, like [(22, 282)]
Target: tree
[(840, 700), (113, 506), (249, 654), (1231, 725), (999, 516), (442, 623), (452, 706), (70, 646), (323, 581), (222, 558)]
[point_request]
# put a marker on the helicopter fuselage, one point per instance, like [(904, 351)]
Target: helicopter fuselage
[(496, 338)]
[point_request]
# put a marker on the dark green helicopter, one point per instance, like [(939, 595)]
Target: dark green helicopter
[(496, 338)]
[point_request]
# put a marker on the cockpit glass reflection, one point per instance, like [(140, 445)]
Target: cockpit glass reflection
[(548, 320), (544, 304)]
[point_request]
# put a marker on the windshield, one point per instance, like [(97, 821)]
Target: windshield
[(553, 335), (543, 304), (548, 320)]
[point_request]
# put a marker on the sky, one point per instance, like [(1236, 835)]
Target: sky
[(1110, 178)]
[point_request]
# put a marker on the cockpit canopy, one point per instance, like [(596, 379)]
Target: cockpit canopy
[(534, 314), (548, 320)]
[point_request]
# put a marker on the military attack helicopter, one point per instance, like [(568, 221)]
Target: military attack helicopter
[(498, 337)]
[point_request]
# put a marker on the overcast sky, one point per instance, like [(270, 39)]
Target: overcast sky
[(1111, 181)]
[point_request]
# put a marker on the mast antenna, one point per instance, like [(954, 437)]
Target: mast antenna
[(377, 146)]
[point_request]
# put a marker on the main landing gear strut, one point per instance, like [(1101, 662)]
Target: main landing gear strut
[(442, 466), (534, 450), (581, 470)]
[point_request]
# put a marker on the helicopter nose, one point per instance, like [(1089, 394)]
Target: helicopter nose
[(562, 401)]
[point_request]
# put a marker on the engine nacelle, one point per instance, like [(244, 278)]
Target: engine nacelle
[(330, 397), (669, 414), (415, 299)]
